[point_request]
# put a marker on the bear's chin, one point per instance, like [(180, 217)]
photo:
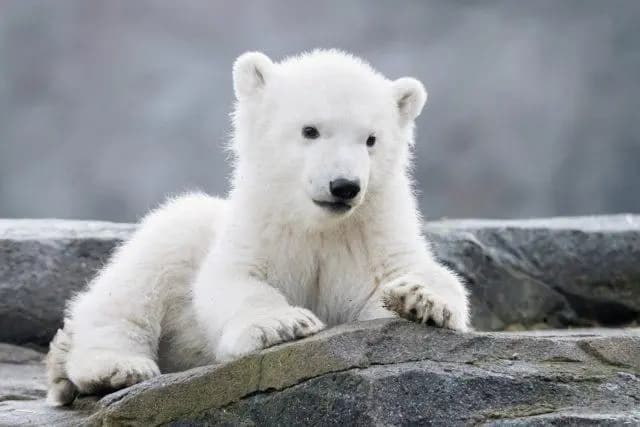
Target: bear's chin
[(336, 208), (327, 217)]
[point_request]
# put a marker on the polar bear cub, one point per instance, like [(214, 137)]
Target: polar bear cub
[(320, 228)]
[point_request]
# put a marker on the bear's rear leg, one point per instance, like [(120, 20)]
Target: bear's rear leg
[(60, 390)]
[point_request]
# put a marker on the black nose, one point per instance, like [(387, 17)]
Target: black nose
[(344, 189)]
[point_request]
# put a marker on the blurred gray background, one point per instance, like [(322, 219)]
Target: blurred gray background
[(107, 106)]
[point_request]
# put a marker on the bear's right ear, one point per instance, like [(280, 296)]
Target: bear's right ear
[(250, 73)]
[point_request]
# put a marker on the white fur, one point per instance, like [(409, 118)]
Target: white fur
[(205, 279)]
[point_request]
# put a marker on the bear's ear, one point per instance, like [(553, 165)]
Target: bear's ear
[(250, 73), (410, 97)]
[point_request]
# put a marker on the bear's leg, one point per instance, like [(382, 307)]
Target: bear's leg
[(116, 324), (435, 296), (60, 390), (243, 314), (114, 338), (432, 294)]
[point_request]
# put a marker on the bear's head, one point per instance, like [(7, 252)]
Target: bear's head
[(321, 134)]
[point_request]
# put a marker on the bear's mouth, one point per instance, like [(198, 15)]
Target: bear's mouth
[(335, 207)]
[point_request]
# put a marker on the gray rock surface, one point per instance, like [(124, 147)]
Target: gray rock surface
[(42, 263), (554, 272), (385, 372), (542, 273), (23, 389)]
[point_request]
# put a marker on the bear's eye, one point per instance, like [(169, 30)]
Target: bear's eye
[(371, 141), (310, 132)]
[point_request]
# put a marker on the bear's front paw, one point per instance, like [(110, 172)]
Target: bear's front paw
[(256, 331), (99, 371), (444, 304)]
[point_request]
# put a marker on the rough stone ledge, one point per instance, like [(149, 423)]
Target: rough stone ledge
[(385, 372), (547, 272), (540, 273)]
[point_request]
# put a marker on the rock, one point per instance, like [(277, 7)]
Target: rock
[(555, 272), (21, 372), (384, 372), (571, 418), (12, 354), (393, 373), (42, 263), (543, 273), (23, 389)]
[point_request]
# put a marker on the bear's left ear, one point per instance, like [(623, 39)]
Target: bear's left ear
[(250, 74), (410, 97)]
